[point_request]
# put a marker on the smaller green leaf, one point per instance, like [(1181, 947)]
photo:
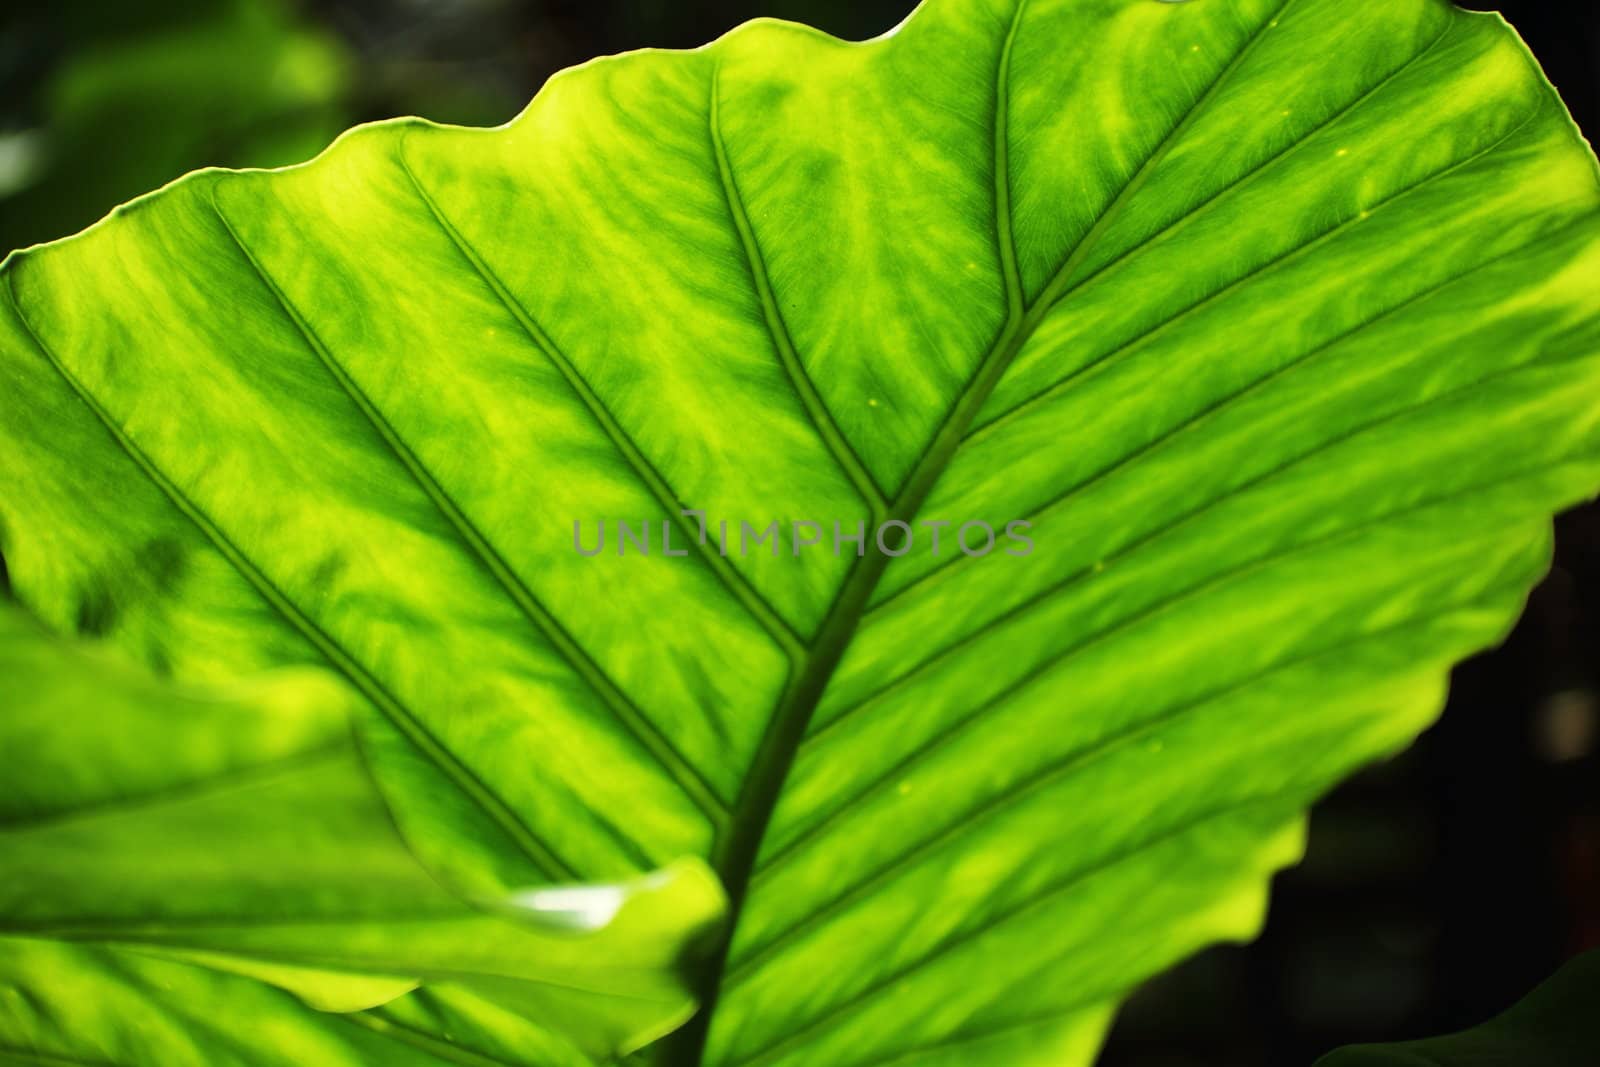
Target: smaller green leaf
[(238, 829), (1556, 1025), (63, 1003), (144, 92)]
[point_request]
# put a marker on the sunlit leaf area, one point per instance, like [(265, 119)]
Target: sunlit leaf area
[(1033, 533)]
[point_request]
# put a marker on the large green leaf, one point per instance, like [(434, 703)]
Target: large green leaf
[(239, 829), (1277, 318)]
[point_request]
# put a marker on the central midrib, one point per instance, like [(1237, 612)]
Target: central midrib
[(736, 851)]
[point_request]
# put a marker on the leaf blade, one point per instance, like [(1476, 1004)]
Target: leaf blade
[(1274, 337)]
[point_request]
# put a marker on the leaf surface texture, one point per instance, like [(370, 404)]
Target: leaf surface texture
[(1278, 320)]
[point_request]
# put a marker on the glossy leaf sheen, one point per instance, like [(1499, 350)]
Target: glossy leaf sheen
[(1276, 317), (152, 828)]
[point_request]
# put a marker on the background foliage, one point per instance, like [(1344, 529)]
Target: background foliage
[(1438, 888)]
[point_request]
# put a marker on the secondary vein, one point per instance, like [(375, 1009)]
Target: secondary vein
[(735, 855), (1074, 760), (364, 681), (844, 454), (637, 725), (1074, 879), (731, 579)]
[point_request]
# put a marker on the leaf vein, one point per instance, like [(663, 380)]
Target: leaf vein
[(844, 454), (1166, 438), (736, 855), (1065, 884), (735, 584), (1054, 661), (622, 708), (1255, 274), (359, 676)]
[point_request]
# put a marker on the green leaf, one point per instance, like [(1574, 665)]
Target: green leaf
[(1276, 319), (66, 1003), (238, 829), (1553, 1026)]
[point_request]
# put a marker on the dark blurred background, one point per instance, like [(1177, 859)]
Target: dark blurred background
[(1438, 888)]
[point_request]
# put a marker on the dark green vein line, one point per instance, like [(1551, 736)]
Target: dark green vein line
[(731, 579), (1254, 274), (226, 780), (735, 855), (640, 728), (399, 1033), (1132, 187), (369, 686), (1261, 168), (50, 1059), (953, 730), (1074, 1006), (844, 454), (1104, 865), (368, 965), (1166, 439), (1135, 344), (1004, 231)]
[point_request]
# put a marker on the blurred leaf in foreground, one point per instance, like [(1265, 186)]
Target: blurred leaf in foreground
[(146, 829)]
